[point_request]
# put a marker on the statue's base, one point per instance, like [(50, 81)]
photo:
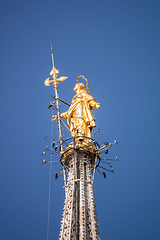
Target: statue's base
[(80, 147)]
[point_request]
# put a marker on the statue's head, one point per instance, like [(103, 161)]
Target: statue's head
[(79, 86)]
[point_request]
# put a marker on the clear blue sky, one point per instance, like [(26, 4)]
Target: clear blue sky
[(116, 45)]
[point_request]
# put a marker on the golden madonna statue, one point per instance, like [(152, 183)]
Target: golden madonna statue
[(79, 116)]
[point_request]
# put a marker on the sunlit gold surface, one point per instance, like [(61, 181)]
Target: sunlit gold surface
[(79, 116), (81, 76), (55, 80), (47, 82)]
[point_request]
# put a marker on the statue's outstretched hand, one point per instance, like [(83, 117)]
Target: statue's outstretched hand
[(63, 115), (98, 105)]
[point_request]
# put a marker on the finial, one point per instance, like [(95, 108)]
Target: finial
[(54, 73), (52, 54)]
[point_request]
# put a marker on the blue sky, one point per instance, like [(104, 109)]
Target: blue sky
[(115, 45)]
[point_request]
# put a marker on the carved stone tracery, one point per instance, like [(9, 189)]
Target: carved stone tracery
[(79, 220)]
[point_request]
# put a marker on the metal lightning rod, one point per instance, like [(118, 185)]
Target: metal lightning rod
[(52, 54), (55, 84)]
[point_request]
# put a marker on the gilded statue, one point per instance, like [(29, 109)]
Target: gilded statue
[(79, 116)]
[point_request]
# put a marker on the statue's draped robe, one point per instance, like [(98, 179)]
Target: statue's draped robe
[(79, 116)]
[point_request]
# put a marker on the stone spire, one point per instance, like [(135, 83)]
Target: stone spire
[(79, 220)]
